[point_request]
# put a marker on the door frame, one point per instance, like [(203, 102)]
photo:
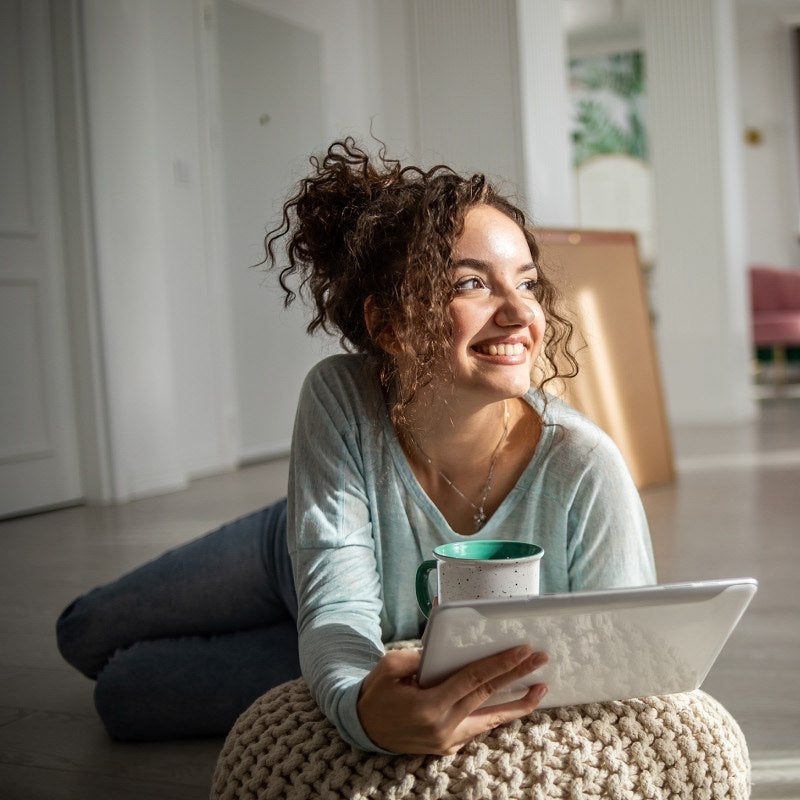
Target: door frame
[(83, 307)]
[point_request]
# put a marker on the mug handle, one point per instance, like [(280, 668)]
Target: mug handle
[(423, 591)]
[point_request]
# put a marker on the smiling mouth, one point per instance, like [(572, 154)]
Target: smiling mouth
[(516, 349)]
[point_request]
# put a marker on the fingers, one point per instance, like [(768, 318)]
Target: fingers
[(473, 685), (398, 715), (486, 719)]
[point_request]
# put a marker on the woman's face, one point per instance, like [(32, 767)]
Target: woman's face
[(498, 324)]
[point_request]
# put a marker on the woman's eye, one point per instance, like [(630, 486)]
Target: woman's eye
[(469, 284), (531, 286)]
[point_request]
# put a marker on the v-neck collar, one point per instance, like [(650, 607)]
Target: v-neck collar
[(493, 524)]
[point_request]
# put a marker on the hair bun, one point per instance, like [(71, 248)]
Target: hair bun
[(327, 205)]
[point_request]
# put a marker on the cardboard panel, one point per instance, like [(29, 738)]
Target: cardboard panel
[(618, 385)]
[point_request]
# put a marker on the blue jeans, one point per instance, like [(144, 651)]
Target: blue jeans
[(182, 645)]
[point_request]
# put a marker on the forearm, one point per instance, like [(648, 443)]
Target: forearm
[(335, 660)]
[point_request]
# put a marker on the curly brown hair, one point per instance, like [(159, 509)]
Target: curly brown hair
[(363, 226)]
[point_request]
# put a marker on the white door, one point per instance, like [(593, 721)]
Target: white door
[(271, 100), (38, 442)]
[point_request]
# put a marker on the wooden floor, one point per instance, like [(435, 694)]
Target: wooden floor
[(734, 510)]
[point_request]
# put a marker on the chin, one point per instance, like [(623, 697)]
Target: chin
[(519, 384), (501, 387), (514, 389)]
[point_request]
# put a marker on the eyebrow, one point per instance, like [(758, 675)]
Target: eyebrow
[(476, 263)]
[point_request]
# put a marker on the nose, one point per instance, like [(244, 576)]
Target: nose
[(515, 312)]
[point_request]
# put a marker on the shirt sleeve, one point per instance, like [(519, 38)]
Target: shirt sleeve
[(330, 539), (608, 536)]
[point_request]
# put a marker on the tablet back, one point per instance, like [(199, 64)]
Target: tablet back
[(611, 645)]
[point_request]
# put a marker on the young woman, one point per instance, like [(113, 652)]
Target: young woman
[(428, 431)]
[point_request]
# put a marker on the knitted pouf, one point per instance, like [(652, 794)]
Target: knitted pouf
[(674, 746)]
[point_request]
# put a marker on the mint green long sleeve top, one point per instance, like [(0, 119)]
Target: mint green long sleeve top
[(359, 524)]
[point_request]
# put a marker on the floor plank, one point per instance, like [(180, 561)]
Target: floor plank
[(61, 743), (19, 782)]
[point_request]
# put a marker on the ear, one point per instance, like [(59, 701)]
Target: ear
[(379, 331)]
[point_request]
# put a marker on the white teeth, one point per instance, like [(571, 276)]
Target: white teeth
[(504, 349)]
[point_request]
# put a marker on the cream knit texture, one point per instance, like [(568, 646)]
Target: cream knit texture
[(673, 746)]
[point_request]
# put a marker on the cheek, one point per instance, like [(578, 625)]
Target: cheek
[(466, 324), (538, 326)]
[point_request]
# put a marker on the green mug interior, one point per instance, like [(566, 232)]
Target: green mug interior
[(488, 550)]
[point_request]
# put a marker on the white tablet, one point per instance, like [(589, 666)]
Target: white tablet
[(606, 645)]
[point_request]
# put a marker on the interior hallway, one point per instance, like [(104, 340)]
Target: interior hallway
[(734, 510)]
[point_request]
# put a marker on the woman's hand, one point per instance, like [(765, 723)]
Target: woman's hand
[(400, 716)]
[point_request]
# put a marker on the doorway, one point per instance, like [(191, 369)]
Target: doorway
[(271, 101)]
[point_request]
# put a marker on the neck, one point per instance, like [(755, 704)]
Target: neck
[(468, 462), (445, 433)]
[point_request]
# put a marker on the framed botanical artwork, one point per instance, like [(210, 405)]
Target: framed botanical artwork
[(608, 106), (614, 188)]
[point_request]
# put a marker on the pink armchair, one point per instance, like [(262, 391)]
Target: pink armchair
[(775, 305)]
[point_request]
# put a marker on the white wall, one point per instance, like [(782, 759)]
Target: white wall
[(163, 342), (467, 106), (270, 121), (347, 29), (544, 113), (132, 282), (769, 95), (699, 289), (204, 400)]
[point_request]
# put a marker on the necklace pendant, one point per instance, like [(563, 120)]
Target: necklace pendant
[(479, 517)]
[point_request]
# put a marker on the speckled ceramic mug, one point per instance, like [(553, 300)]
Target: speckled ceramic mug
[(480, 569)]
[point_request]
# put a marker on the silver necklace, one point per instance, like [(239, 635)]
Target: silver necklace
[(479, 517)]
